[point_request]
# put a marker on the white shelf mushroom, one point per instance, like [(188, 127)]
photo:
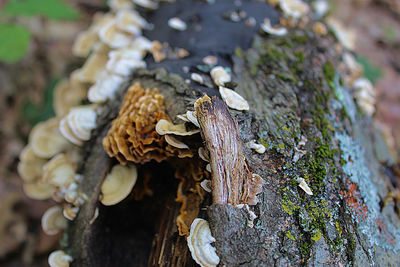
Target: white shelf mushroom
[(105, 87), (220, 76), (177, 24), (124, 60), (46, 139), (294, 8), (233, 99), (59, 258), (118, 184), (303, 185), (164, 127), (79, 123), (53, 220), (274, 30), (199, 243)]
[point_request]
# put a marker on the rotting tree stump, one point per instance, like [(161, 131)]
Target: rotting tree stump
[(295, 93)]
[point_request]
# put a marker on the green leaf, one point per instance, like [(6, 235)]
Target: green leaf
[(52, 9), (371, 72), (14, 42), (33, 113)]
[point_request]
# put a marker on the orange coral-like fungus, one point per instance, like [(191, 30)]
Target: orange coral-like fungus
[(132, 136)]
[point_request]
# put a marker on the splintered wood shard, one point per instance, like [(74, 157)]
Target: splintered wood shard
[(233, 181)]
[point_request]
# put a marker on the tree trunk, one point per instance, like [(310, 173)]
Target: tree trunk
[(311, 128)]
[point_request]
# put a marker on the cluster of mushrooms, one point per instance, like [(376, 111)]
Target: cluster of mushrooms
[(114, 48)]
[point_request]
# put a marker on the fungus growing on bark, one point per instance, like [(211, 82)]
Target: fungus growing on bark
[(84, 42), (303, 185), (199, 242), (67, 95), (177, 24), (133, 136), (346, 36), (220, 76), (118, 184), (59, 171), (206, 185), (189, 194), (164, 127), (233, 99), (59, 258), (256, 147), (365, 95), (70, 212), (38, 190), (30, 165), (94, 65), (210, 60), (197, 78), (79, 123), (114, 37), (130, 21), (274, 30), (175, 142), (146, 4), (105, 87), (294, 8), (46, 140), (124, 60), (53, 220)]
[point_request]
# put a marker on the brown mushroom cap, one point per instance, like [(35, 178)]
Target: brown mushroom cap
[(118, 184)]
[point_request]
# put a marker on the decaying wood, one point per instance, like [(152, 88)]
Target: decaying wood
[(232, 181), (295, 93)]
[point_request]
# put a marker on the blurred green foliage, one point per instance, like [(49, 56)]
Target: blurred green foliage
[(15, 39), (52, 9), (14, 42), (33, 113), (371, 72)]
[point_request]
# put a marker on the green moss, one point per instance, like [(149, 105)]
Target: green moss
[(290, 236), (329, 72), (317, 236), (239, 52)]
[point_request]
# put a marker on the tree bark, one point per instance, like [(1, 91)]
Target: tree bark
[(294, 89)]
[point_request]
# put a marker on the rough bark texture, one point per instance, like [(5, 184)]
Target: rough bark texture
[(294, 91)]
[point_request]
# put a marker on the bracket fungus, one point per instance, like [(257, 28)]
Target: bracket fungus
[(220, 76), (303, 185), (199, 243), (233, 99), (294, 8), (59, 171), (59, 258), (177, 24), (133, 135), (30, 165), (118, 184), (164, 127), (46, 139), (259, 148), (38, 190), (79, 123), (53, 220), (274, 30)]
